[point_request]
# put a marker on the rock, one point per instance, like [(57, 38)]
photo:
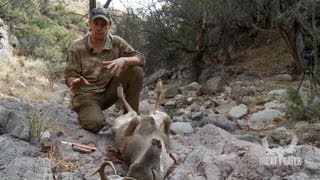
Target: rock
[(311, 167), (242, 124), (181, 112), (1, 23), (223, 109), (13, 123), (275, 105), (194, 86), (181, 128), (20, 160), (46, 135), (296, 176), (259, 120), (58, 96), (177, 119), (280, 78), (179, 97), (238, 111), (172, 92), (281, 133), (278, 92), (6, 50), (170, 105), (249, 138), (189, 100), (212, 86), (237, 91), (250, 101), (192, 94), (311, 112), (14, 42), (219, 121), (301, 124), (309, 132)]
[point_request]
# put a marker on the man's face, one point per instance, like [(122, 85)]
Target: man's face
[(99, 28)]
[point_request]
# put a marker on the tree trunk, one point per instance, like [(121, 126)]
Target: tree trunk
[(225, 45), (106, 5), (92, 5), (295, 42), (197, 62), (315, 44)]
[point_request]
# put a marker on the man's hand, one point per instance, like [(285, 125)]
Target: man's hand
[(116, 65), (75, 83)]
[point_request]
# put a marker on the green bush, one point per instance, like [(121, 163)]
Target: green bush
[(43, 31), (63, 18), (36, 125), (295, 104)]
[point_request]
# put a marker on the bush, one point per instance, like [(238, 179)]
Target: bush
[(43, 31), (36, 125), (295, 104)]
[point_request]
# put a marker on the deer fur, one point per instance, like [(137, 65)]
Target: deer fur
[(143, 140)]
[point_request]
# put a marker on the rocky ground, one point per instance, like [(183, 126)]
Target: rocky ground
[(232, 126)]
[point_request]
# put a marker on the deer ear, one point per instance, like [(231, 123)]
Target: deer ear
[(132, 126), (166, 125)]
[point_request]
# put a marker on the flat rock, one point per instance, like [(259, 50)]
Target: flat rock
[(181, 128), (238, 111), (260, 119)]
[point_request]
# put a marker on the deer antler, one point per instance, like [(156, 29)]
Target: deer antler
[(101, 170), (111, 177)]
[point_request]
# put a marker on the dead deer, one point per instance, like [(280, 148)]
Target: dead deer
[(143, 140)]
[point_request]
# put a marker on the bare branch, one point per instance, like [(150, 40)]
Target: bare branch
[(106, 5)]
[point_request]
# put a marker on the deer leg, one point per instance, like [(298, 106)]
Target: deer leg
[(159, 91), (124, 101), (132, 126), (165, 125)]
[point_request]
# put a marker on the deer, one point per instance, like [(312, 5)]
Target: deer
[(143, 141)]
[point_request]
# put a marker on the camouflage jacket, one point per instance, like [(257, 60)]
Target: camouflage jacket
[(82, 61)]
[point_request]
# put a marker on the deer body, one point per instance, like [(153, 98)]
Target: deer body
[(143, 140)]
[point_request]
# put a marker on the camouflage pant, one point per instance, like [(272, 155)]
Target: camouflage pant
[(89, 106)]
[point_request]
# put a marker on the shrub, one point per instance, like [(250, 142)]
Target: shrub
[(43, 31), (295, 104), (36, 125)]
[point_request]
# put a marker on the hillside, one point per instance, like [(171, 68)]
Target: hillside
[(243, 121)]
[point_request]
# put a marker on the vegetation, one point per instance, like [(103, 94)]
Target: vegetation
[(198, 30), (43, 30), (37, 125), (295, 104)]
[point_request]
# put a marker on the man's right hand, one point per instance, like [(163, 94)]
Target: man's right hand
[(75, 83)]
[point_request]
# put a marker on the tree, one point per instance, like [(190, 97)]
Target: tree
[(194, 28)]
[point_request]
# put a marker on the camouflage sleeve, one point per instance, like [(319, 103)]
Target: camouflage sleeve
[(127, 51), (73, 67)]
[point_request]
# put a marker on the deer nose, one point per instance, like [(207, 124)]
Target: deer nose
[(156, 141)]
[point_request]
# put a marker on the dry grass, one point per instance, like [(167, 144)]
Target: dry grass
[(59, 164), (24, 78), (266, 60)]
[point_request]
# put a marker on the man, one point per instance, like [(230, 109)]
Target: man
[(96, 65)]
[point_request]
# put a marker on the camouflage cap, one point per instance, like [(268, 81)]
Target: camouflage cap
[(100, 12)]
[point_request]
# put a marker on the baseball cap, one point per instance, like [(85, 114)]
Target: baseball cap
[(100, 12)]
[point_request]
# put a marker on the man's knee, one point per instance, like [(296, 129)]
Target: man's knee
[(135, 73), (91, 118), (91, 124)]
